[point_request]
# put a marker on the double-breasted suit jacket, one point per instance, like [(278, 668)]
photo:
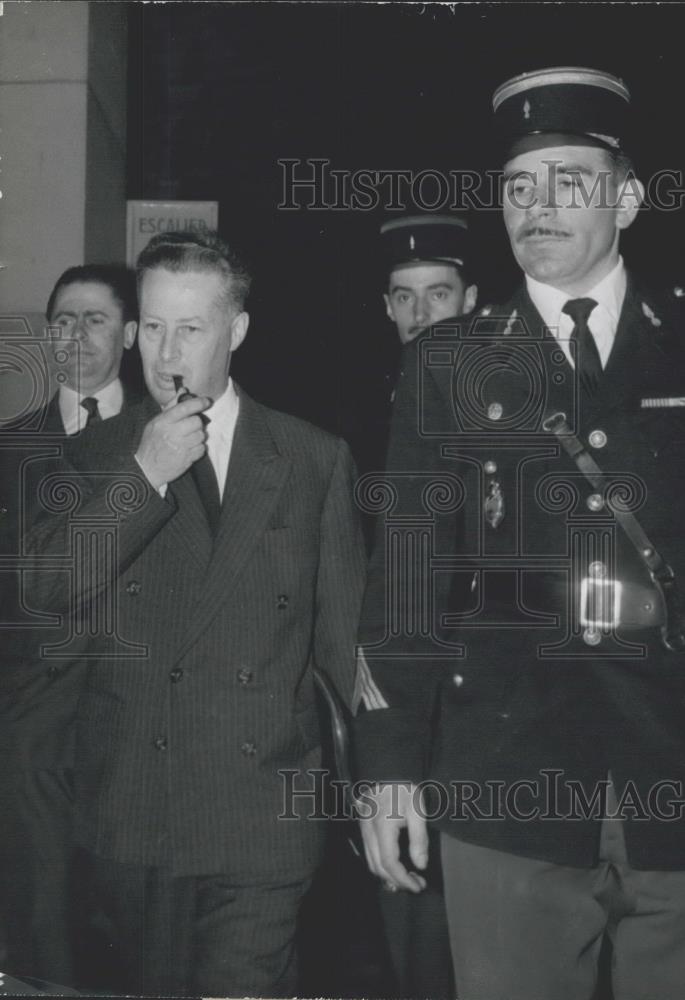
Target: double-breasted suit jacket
[(200, 688), (476, 642)]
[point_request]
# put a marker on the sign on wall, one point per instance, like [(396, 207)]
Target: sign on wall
[(144, 219)]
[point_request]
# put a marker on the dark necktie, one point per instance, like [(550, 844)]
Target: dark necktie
[(588, 364), (204, 478), (90, 405)]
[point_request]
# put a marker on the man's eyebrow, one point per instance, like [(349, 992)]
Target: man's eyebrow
[(430, 288), (183, 319), (552, 166), (575, 168), (86, 312)]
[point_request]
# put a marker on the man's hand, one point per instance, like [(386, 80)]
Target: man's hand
[(383, 813), (172, 441)]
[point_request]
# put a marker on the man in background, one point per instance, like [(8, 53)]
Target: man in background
[(92, 311), (426, 260), (424, 267), (427, 267)]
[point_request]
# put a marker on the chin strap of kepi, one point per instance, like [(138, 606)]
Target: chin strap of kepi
[(663, 578)]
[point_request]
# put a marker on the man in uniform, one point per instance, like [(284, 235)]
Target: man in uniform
[(426, 262), (425, 257), (528, 658), (93, 310)]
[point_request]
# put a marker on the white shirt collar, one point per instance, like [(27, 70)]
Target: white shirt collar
[(223, 411), (609, 294), (110, 401), (223, 416)]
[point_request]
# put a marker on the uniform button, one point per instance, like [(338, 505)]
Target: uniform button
[(592, 637), (244, 675), (134, 588), (597, 439), (175, 675), (282, 601), (595, 502), (598, 570), (53, 670), (495, 411), (160, 743), (458, 680), (248, 749), (490, 468)]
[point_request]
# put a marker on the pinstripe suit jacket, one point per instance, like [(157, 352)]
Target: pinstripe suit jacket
[(181, 735)]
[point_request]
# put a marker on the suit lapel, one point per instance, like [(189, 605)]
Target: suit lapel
[(256, 475), (53, 417), (188, 528)]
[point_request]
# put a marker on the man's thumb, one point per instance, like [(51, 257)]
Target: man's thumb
[(418, 839)]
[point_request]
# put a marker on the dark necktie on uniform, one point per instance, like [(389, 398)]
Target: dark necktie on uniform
[(588, 364), (207, 486), (90, 405)]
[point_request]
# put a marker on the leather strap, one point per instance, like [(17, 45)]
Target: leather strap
[(673, 631)]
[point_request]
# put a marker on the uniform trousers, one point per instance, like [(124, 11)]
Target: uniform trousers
[(199, 935), (416, 934), (523, 929)]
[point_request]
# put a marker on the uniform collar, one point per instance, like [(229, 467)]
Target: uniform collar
[(608, 293)]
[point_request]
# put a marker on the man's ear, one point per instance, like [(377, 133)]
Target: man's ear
[(631, 193), (470, 298), (130, 331), (388, 308), (238, 329)]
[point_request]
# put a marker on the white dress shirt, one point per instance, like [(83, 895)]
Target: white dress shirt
[(74, 417), (223, 416), (608, 293)]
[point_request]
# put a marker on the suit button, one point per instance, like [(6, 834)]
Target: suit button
[(282, 601), (248, 749), (134, 588), (175, 675), (244, 675), (160, 743), (53, 671)]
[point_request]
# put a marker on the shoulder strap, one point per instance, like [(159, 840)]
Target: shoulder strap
[(673, 632)]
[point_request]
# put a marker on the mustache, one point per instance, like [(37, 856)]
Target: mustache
[(541, 231)]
